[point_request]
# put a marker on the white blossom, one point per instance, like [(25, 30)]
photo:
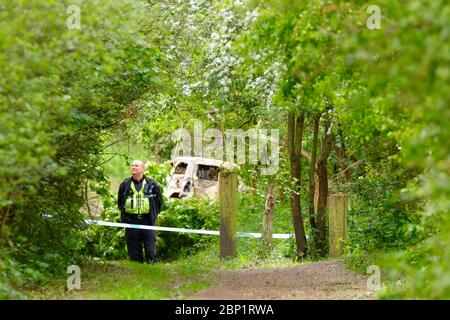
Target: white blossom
[(186, 90)]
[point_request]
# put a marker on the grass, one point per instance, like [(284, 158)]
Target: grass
[(360, 263), (110, 280)]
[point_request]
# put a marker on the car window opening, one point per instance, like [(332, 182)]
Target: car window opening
[(206, 172), (181, 168)]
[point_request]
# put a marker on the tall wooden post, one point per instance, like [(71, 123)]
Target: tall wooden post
[(267, 223), (337, 209), (228, 183)]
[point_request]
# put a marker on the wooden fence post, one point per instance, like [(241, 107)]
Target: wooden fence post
[(337, 211), (267, 223), (228, 183)]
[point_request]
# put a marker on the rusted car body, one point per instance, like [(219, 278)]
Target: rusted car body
[(194, 176)]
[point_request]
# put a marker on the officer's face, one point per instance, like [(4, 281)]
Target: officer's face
[(137, 168)]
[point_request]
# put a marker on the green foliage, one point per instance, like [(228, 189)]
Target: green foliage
[(60, 91), (12, 276), (160, 172), (103, 242), (386, 93), (189, 214), (406, 88), (249, 219), (65, 95), (378, 219)]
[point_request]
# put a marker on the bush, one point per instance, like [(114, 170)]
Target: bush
[(61, 90), (190, 214), (249, 219), (378, 218), (106, 242)]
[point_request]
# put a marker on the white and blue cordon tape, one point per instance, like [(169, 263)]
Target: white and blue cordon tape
[(183, 230)]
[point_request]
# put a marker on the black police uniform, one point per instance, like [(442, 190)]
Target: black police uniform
[(137, 237)]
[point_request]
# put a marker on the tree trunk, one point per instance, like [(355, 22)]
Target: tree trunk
[(252, 185), (322, 172), (295, 136), (346, 170), (86, 198), (267, 223), (281, 193), (312, 185)]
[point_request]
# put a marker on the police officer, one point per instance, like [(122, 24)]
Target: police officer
[(140, 202)]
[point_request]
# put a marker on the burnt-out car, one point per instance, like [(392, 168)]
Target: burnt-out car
[(194, 176)]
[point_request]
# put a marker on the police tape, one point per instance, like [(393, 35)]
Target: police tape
[(182, 230)]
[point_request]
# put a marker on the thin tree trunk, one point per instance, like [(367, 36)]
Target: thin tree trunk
[(252, 185), (281, 193), (341, 155), (295, 136), (267, 222), (312, 185), (322, 173), (86, 197)]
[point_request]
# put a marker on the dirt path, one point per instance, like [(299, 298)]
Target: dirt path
[(318, 280)]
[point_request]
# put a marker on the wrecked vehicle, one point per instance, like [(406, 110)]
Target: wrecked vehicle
[(195, 176)]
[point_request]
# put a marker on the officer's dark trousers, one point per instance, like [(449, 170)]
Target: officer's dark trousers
[(138, 237)]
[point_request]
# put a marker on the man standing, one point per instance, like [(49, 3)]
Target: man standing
[(140, 202)]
